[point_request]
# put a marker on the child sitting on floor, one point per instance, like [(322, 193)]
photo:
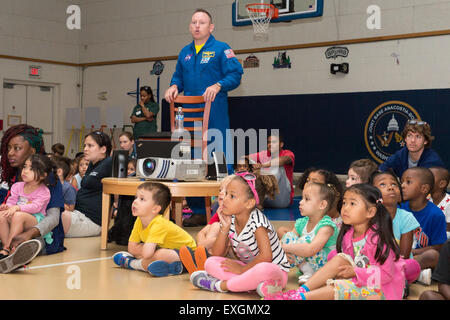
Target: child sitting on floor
[(243, 164), (205, 237), (26, 206), (208, 235), (82, 165), (69, 192), (439, 195), (314, 235), (441, 274), (155, 241), (417, 182), (403, 222), (131, 168), (262, 264), (328, 178), (360, 171)]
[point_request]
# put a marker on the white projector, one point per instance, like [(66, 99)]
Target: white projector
[(170, 169)]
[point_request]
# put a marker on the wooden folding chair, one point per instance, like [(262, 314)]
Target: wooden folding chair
[(206, 109)]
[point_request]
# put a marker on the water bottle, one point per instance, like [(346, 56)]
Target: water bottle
[(179, 119)]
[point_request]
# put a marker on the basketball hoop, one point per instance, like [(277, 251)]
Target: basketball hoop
[(260, 14)]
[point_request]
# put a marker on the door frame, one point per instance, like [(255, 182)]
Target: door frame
[(56, 102)]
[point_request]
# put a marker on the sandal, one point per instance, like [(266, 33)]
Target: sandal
[(3, 256)]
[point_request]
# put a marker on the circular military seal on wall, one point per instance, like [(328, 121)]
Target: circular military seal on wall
[(383, 130)]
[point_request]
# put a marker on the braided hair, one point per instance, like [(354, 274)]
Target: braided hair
[(30, 134)]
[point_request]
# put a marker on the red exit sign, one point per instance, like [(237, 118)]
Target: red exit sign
[(34, 72)]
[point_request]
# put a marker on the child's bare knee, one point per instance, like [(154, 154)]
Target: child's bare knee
[(339, 260), (19, 216)]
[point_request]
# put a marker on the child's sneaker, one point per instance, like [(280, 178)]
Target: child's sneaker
[(160, 268), (123, 259), (304, 278), (289, 295), (268, 288), (202, 280), (307, 272), (425, 277), (187, 258)]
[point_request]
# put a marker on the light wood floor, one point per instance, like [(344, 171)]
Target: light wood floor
[(55, 278)]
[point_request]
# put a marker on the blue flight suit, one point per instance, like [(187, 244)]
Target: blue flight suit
[(214, 63)]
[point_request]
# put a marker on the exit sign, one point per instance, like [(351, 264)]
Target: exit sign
[(35, 72)]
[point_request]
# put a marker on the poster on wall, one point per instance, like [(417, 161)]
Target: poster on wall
[(73, 118), (92, 118), (14, 120), (114, 117)]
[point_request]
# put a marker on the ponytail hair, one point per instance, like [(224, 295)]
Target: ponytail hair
[(380, 224), (265, 185), (327, 192)]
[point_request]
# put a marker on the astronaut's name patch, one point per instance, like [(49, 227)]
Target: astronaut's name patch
[(208, 54), (229, 53)]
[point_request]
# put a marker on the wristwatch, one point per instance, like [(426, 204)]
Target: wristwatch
[(220, 86)]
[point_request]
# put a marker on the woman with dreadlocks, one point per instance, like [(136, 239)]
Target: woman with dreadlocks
[(17, 144)]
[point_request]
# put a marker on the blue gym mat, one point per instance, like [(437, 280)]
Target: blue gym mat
[(287, 214)]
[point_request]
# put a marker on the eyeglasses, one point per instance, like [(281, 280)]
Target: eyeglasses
[(419, 123), (250, 178)]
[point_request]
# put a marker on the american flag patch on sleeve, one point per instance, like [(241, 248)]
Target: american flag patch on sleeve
[(229, 53)]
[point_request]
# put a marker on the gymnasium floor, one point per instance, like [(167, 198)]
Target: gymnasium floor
[(84, 272)]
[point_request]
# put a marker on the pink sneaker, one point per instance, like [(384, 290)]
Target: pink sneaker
[(268, 288), (288, 295)]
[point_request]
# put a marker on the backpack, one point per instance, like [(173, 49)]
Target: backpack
[(123, 222)]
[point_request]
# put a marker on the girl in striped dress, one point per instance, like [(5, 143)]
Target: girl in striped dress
[(262, 264)]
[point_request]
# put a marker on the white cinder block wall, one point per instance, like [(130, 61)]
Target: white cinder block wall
[(37, 29), (133, 29)]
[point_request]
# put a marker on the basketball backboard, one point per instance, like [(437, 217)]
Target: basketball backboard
[(288, 10)]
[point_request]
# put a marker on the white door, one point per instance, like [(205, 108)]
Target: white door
[(14, 105), (40, 111), (29, 104)]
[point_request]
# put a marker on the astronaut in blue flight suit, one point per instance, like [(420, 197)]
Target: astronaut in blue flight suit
[(207, 67)]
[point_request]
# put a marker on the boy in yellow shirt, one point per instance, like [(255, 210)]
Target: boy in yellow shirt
[(155, 241)]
